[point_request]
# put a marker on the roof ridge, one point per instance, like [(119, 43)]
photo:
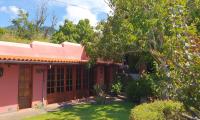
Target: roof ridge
[(38, 43), (6, 43), (45, 43), (71, 43)]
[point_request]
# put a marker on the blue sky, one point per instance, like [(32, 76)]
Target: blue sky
[(74, 10)]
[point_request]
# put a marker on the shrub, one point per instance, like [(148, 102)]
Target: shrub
[(132, 91), (158, 110), (123, 79), (2, 31), (138, 89), (100, 94), (116, 88)]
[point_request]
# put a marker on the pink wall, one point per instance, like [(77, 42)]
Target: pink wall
[(38, 82), (9, 85), (9, 88)]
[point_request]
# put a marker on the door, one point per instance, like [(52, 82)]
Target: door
[(25, 86)]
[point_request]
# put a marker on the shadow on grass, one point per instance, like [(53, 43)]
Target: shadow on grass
[(113, 111)]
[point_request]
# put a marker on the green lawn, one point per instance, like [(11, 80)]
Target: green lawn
[(114, 111)]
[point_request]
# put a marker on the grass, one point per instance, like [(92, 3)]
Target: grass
[(13, 38), (113, 111)]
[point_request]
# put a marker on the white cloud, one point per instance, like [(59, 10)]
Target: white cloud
[(82, 9), (13, 9), (10, 9), (77, 13)]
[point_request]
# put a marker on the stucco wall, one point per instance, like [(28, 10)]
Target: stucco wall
[(9, 85), (9, 88)]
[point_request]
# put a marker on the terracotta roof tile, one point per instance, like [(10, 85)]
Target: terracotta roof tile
[(39, 59), (42, 52)]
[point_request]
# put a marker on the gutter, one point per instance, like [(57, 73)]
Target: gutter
[(35, 62)]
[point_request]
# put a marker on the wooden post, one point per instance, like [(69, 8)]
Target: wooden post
[(74, 81)]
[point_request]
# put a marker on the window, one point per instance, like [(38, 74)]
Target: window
[(86, 77), (50, 80), (69, 78), (78, 77), (60, 79), (55, 80)]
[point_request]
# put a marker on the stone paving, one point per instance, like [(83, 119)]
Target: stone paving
[(21, 114)]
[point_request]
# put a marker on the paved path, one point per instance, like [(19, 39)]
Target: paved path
[(21, 114), (30, 112)]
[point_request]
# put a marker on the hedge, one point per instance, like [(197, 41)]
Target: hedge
[(158, 110)]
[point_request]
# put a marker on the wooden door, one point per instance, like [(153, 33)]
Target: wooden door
[(25, 86)]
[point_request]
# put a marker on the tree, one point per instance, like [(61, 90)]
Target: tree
[(30, 29), (194, 15), (24, 27), (74, 33), (164, 30), (67, 32), (84, 30), (54, 20), (41, 15)]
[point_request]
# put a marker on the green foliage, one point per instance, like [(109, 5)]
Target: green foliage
[(74, 33), (25, 30), (24, 27), (165, 30), (85, 31), (67, 32), (138, 89), (100, 94), (2, 31), (132, 91), (194, 15), (116, 87), (158, 110)]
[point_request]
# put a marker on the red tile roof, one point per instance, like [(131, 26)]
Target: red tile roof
[(43, 52)]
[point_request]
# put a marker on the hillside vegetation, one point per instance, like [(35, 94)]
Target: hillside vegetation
[(10, 36)]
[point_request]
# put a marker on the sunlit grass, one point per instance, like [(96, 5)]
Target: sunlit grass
[(114, 111)]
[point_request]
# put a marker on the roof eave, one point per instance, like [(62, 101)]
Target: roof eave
[(38, 62)]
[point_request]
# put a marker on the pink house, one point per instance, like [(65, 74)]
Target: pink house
[(43, 73)]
